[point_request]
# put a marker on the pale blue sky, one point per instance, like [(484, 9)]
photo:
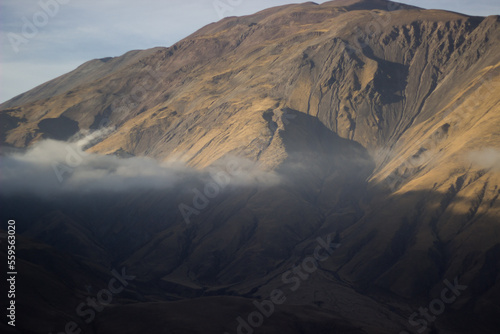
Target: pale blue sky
[(79, 30)]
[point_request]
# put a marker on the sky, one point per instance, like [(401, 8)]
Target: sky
[(42, 39)]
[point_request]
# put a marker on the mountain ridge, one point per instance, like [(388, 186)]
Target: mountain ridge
[(381, 122)]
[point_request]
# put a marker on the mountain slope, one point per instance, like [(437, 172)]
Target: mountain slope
[(375, 125)]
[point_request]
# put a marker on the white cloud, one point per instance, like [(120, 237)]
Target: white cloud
[(488, 158), (54, 167)]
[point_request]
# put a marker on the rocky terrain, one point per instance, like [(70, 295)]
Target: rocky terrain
[(346, 154)]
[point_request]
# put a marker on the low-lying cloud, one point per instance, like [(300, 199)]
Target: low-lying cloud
[(52, 167), (487, 158)]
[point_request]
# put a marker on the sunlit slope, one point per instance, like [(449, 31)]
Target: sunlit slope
[(205, 96), (382, 121)]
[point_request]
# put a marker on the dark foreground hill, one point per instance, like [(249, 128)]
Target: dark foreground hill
[(327, 168)]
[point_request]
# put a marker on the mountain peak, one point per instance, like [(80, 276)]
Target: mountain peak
[(225, 167)]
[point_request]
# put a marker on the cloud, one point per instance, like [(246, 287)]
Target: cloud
[(53, 167), (487, 158)]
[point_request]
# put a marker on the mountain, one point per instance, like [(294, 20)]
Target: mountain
[(346, 154)]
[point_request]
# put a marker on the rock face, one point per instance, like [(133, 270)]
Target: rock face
[(381, 121)]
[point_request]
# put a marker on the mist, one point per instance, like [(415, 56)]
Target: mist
[(52, 167), (488, 158)]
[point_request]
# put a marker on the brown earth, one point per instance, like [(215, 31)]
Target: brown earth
[(377, 115)]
